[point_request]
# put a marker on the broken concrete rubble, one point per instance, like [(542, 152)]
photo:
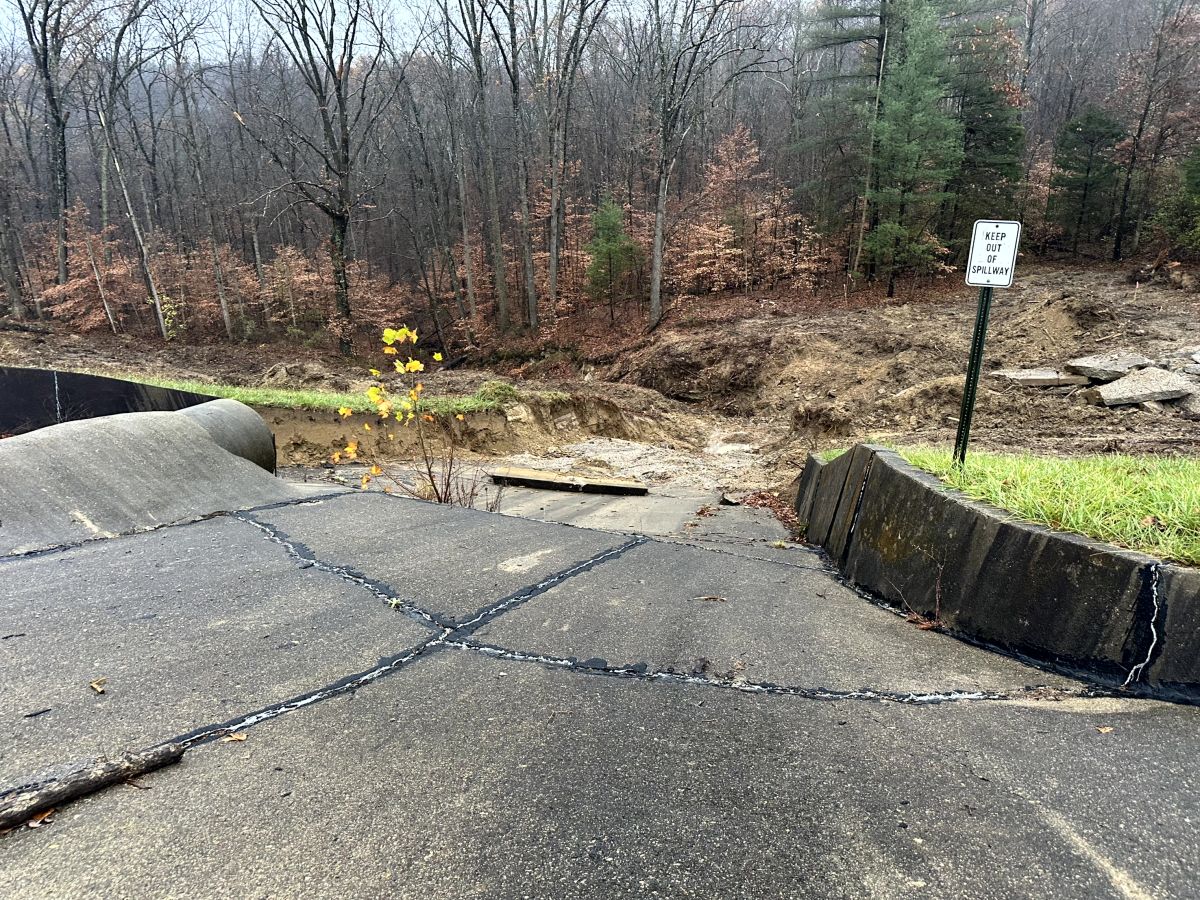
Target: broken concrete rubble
[(1108, 366), (1143, 385), (1041, 377), (1190, 406)]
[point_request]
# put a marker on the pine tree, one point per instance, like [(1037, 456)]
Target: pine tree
[(1084, 185), (919, 146), (1179, 217), (987, 183), (614, 255)]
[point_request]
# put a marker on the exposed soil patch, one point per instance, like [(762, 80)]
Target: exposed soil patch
[(792, 372)]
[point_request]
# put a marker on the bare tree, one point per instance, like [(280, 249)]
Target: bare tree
[(690, 43), (53, 28), (336, 48)]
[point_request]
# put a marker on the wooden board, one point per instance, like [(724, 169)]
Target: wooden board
[(560, 481)]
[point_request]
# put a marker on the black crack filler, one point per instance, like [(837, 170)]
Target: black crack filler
[(181, 523), (385, 666), (307, 557), (642, 672), (1150, 613), (503, 605)]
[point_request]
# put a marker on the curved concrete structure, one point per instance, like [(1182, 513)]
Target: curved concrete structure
[(235, 427), (35, 398), (1081, 605), (117, 474)]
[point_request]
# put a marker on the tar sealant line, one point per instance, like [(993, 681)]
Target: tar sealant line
[(765, 559), (858, 504), (218, 514), (501, 606), (1135, 674), (641, 672), (299, 552), (385, 666)]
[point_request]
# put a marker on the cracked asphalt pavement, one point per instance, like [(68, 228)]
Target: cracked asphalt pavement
[(435, 702)]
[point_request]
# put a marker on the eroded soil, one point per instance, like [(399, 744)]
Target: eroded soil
[(734, 392)]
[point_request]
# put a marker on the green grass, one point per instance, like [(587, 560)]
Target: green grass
[(1145, 503), (279, 398), (491, 397)]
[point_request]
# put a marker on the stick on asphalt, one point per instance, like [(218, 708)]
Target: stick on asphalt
[(20, 806)]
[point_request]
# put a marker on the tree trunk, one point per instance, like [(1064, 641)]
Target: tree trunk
[(143, 251), (491, 198), (468, 262), (61, 202), (660, 226), (339, 228), (210, 219)]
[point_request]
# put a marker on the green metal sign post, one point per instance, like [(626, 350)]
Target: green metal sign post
[(974, 366), (990, 265)]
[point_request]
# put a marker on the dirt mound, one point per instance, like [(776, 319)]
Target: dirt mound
[(533, 422), (722, 369)]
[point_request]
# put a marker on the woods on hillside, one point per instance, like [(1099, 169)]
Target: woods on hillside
[(309, 169)]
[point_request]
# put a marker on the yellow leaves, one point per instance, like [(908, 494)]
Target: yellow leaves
[(364, 481), (391, 437), (459, 416), (351, 450), (376, 471), (390, 351), (399, 335), (98, 685), (336, 456), (366, 426), (376, 394), (437, 357), (375, 372), (344, 411), (414, 365), (236, 738), (399, 366), (427, 417)]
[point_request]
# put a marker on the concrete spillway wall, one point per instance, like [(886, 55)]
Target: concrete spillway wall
[(35, 398), (1121, 617), (119, 474)]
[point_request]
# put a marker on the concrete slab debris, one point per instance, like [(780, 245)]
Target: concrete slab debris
[(560, 481), (1145, 384), (1108, 366), (1041, 377)]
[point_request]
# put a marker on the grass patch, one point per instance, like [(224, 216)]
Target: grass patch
[(279, 398), (1145, 503), (487, 399)]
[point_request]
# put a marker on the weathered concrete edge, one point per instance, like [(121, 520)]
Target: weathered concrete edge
[(36, 398), (1063, 600)]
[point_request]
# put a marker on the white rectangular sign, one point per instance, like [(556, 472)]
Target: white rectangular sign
[(993, 253)]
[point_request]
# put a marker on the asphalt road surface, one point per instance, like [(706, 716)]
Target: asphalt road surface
[(385, 698)]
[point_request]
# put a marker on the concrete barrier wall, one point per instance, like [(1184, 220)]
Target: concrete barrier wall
[(1074, 603), (118, 474), (35, 398)]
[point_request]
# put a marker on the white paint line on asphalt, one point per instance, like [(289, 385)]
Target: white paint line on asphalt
[(1121, 880)]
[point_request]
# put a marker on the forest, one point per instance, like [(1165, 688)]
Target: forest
[(495, 170)]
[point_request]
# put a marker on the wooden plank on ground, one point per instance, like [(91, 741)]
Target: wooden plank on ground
[(561, 481)]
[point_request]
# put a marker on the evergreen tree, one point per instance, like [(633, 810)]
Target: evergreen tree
[(614, 255), (1084, 185), (1179, 216), (993, 137), (918, 146)]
